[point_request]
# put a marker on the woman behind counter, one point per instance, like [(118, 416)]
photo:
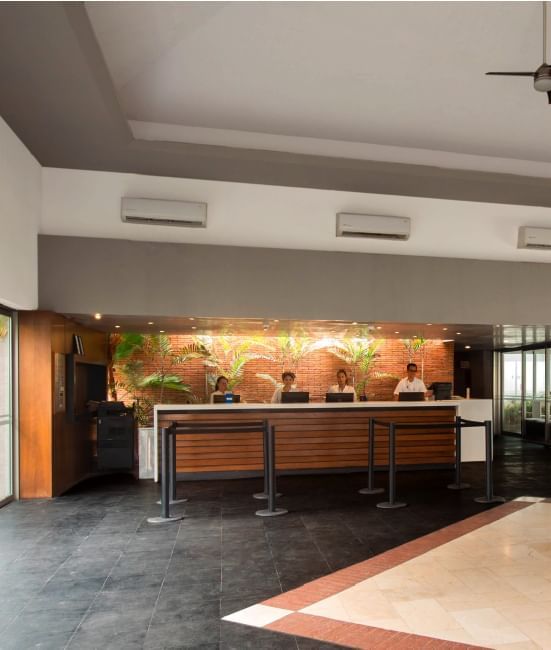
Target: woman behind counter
[(342, 385), (288, 379), (220, 388)]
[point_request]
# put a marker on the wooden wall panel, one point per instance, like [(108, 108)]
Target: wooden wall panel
[(54, 448), (35, 405), (315, 440)]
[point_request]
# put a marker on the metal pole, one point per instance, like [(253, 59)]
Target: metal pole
[(271, 511), (265, 453), (172, 454), (391, 503), (165, 480), (458, 485), (371, 462), (489, 497)]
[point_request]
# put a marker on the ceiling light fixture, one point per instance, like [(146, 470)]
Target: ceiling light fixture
[(429, 324), (447, 341), (97, 316), (193, 327), (467, 347), (191, 318), (445, 329), (396, 332), (354, 323), (151, 323), (459, 333), (379, 327), (117, 327), (161, 331)]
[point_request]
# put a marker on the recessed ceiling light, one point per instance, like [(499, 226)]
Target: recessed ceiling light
[(276, 320), (191, 318), (467, 347), (379, 327), (447, 341), (354, 323), (151, 323), (117, 327), (396, 332), (193, 327), (161, 331), (97, 316), (429, 324), (458, 333), (445, 329)]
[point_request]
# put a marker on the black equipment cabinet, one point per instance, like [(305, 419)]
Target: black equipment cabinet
[(115, 436)]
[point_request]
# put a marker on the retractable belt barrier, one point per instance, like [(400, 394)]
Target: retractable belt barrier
[(458, 426), (168, 462)]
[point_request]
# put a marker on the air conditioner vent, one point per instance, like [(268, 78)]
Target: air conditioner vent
[(370, 226), (160, 212), (535, 238)]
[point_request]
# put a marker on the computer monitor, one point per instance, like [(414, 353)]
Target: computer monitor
[(294, 397), (406, 396), (221, 399), (339, 397), (441, 389)]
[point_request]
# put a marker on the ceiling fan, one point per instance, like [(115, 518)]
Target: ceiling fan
[(542, 76)]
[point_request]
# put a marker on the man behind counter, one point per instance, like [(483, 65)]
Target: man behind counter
[(410, 384)]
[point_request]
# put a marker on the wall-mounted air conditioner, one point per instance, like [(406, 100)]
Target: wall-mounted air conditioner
[(534, 238), (372, 226), (160, 212)]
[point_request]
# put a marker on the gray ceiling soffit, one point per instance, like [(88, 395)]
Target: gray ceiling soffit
[(58, 97)]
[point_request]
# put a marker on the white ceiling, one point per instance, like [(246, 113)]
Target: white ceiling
[(346, 78)]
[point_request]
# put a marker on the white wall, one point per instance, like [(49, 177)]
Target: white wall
[(87, 204), (20, 205)]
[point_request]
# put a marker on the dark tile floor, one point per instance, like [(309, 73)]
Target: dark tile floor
[(87, 571)]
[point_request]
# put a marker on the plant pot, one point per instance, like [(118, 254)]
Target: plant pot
[(146, 452)]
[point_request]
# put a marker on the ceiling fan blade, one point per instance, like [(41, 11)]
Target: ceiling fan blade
[(513, 74)]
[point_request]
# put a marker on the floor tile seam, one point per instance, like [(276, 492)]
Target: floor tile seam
[(274, 563), (312, 538), (91, 605)]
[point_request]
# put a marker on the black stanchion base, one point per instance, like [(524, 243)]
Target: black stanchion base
[(173, 502), (271, 513), (264, 495), (458, 486), (164, 520), (492, 499), (386, 505), (371, 490)]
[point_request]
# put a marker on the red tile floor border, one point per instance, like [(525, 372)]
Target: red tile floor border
[(332, 584), (353, 635)]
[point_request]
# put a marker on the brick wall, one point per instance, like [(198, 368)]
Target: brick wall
[(315, 372)]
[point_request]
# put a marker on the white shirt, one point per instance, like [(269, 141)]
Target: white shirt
[(347, 389), (276, 397), (407, 386)]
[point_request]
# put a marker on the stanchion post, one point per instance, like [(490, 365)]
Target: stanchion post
[(271, 511), (172, 455), (165, 480), (371, 462), (265, 453), (458, 485), (489, 497), (391, 503)]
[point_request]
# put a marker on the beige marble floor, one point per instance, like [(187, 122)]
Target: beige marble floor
[(490, 587)]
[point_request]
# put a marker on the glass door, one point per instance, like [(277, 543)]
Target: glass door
[(6, 408), (512, 392)]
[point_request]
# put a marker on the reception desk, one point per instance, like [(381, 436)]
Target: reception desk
[(311, 437)]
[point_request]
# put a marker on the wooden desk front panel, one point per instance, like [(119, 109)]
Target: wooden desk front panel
[(312, 439)]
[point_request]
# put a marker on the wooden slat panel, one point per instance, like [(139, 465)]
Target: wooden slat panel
[(314, 439)]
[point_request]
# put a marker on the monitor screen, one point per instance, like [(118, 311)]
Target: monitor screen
[(221, 399), (339, 397), (441, 389), (294, 397), (406, 396)]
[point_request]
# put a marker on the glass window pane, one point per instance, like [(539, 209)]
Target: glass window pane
[(512, 390)]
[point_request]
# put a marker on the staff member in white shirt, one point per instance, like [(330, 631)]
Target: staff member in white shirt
[(410, 384), (220, 388), (288, 379), (342, 385)]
